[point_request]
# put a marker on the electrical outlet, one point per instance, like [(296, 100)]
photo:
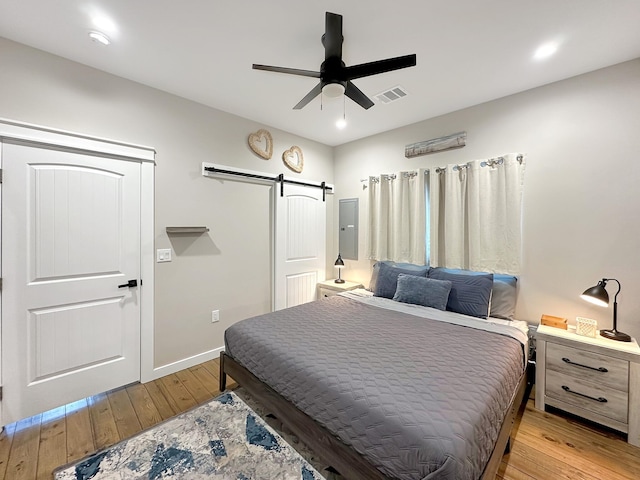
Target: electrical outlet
[(215, 316)]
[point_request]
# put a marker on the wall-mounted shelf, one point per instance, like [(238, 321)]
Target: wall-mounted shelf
[(197, 230)]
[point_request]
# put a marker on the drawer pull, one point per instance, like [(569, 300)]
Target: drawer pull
[(599, 369), (598, 399)]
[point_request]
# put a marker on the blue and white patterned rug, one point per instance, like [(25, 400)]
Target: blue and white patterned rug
[(223, 439)]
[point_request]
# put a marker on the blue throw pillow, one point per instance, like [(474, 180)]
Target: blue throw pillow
[(428, 292), (504, 293), (470, 294), (388, 279), (419, 270)]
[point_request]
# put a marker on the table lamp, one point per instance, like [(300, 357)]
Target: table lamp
[(339, 265), (598, 295)]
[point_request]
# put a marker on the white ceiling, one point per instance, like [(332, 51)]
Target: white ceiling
[(469, 51)]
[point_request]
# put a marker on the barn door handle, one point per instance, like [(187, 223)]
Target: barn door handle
[(129, 284)]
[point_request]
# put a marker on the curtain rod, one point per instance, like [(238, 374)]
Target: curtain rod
[(492, 162), (279, 179)]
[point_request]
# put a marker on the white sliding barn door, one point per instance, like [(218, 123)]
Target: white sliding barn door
[(71, 237), (300, 240)]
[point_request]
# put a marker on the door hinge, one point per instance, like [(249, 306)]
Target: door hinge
[(0, 394), (0, 175)]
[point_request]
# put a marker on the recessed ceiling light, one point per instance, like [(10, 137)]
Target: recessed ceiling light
[(100, 38), (545, 51), (341, 123)]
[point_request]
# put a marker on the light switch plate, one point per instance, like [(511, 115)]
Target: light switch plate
[(163, 255)]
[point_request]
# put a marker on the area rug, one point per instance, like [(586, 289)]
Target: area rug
[(223, 439)]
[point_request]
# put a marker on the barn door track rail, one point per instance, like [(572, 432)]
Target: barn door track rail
[(211, 170)]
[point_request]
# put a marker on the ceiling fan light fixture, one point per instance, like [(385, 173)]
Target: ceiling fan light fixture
[(333, 90)]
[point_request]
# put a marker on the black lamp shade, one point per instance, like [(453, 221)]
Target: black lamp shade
[(597, 295)]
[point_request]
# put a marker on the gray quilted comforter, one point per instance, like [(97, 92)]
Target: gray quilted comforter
[(418, 398)]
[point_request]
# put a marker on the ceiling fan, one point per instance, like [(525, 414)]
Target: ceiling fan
[(335, 77)]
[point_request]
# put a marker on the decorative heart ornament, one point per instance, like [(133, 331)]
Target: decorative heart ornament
[(261, 143), (293, 159)]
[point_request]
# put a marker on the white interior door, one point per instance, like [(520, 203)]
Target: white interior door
[(300, 245), (71, 237)]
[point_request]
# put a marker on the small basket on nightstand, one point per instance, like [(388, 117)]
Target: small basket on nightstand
[(586, 327)]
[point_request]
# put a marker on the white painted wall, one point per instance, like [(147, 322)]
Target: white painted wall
[(582, 185), (228, 268), (581, 136)]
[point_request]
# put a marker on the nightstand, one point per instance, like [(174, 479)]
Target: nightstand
[(594, 378), (330, 287)]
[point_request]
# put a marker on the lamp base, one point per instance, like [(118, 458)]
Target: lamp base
[(339, 280), (615, 335)]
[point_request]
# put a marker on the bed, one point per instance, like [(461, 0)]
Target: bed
[(381, 389)]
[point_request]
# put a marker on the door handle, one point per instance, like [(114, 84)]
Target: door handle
[(129, 284)]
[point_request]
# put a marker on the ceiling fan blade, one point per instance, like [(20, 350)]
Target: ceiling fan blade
[(332, 38), (333, 71), (355, 94), (291, 71), (380, 66), (309, 96)]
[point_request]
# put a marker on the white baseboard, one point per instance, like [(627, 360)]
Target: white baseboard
[(174, 367)]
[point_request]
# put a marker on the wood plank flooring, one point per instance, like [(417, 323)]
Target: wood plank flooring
[(547, 446)]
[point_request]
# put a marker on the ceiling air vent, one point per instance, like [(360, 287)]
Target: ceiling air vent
[(391, 95)]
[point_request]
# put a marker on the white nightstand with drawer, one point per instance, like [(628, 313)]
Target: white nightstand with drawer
[(330, 287), (594, 378)]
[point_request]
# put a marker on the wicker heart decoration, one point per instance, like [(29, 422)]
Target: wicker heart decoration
[(293, 159), (261, 143)]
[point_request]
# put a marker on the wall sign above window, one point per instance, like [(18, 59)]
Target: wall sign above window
[(456, 140)]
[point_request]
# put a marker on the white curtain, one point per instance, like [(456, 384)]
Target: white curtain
[(397, 222), (475, 215)]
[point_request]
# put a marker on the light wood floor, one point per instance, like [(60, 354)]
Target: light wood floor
[(547, 445)]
